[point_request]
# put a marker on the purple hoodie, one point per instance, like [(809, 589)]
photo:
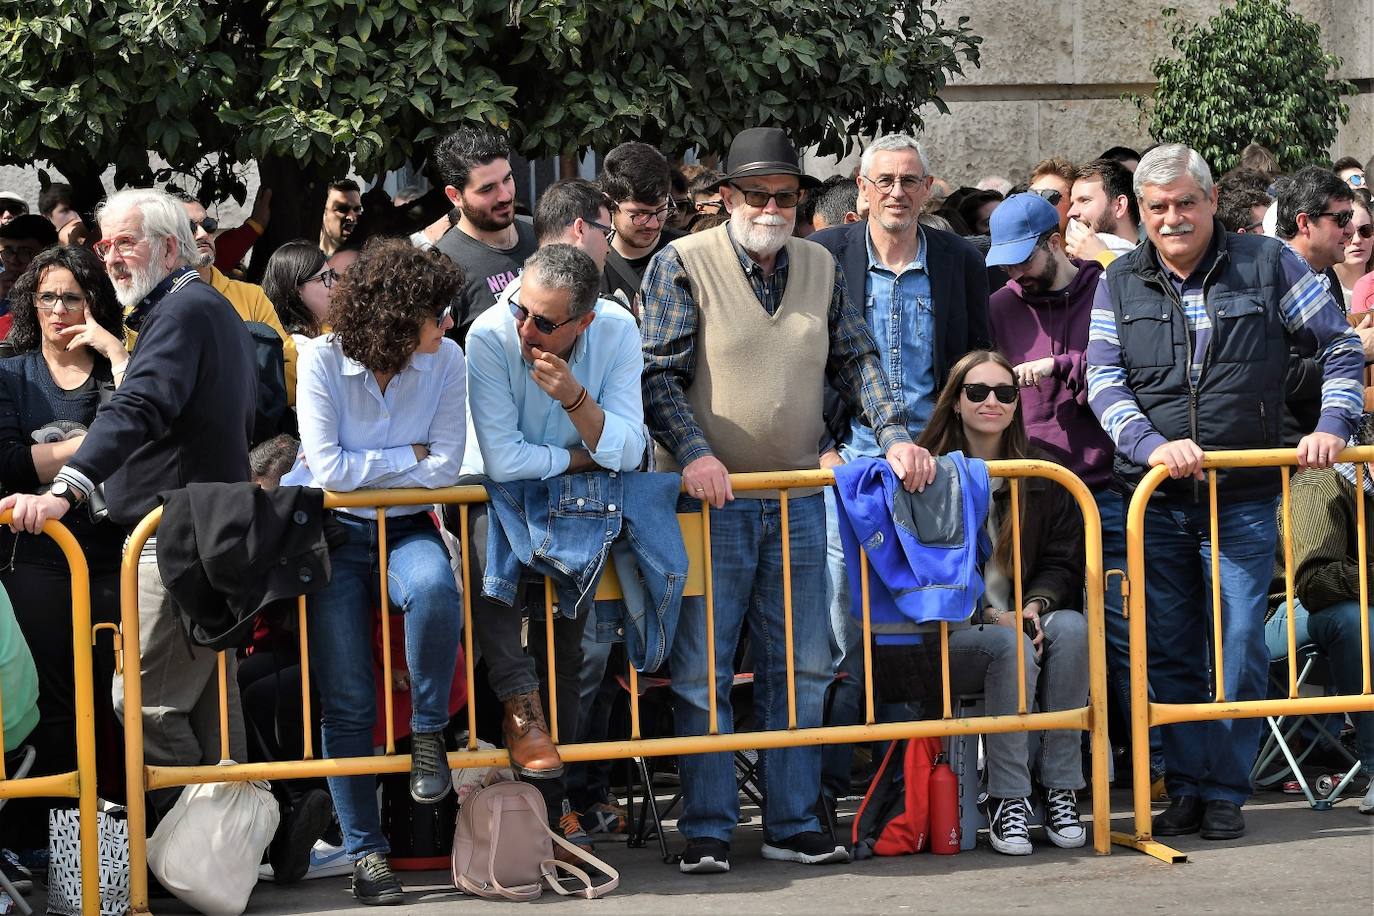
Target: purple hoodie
[(1031, 326)]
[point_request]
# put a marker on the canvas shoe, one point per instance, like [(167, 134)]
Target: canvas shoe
[(1008, 826)]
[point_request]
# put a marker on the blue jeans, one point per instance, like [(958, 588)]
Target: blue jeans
[(746, 565), (1111, 506), (420, 585), (1208, 759), (846, 655)]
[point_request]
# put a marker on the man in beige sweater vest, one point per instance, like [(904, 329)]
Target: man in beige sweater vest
[(742, 324)]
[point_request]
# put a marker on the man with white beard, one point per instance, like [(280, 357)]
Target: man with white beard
[(182, 414), (741, 323)]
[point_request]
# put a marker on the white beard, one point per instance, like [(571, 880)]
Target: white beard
[(141, 281), (762, 235)]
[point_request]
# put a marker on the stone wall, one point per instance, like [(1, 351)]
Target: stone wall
[(1054, 71)]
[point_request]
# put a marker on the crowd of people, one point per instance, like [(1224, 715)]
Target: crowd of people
[(611, 360)]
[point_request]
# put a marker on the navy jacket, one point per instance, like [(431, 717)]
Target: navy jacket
[(184, 412), (958, 288)]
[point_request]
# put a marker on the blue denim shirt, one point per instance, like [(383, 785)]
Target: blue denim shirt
[(900, 312), (568, 526)]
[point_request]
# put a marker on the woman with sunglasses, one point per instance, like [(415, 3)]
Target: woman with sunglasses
[(382, 406), (1359, 251), (68, 341), (979, 413), (299, 280)]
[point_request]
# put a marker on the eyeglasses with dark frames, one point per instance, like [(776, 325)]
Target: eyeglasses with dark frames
[(542, 324), (327, 278), (1050, 194), (607, 231), (642, 217), (48, 302), (757, 197), (1341, 218), (977, 393), (908, 183)]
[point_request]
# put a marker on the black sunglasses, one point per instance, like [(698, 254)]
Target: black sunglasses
[(1050, 194), (1365, 231), (1341, 218), (977, 393), (209, 224), (544, 325), (756, 197)]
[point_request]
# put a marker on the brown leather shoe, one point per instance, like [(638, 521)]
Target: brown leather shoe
[(526, 735)]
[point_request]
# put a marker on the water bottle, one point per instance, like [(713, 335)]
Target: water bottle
[(944, 809)]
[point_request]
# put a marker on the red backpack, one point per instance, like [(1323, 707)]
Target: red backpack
[(894, 818)]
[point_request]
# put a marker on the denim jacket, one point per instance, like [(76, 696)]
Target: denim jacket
[(567, 527)]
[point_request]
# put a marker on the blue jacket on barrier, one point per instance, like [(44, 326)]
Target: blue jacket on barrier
[(568, 526), (923, 548)]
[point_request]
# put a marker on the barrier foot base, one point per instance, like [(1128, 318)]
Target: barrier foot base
[(1150, 848)]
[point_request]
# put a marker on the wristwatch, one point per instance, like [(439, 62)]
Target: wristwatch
[(66, 491)]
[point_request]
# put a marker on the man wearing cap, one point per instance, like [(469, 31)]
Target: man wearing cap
[(741, 324), (1188, 351), (924, 296), (11, 205), (21, 238)]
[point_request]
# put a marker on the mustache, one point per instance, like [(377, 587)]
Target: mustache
[(1181, 229), (768, 219)]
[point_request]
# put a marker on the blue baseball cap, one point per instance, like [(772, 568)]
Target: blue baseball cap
[(1016, 224)]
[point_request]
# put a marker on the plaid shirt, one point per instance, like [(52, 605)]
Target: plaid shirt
[(670, 359)]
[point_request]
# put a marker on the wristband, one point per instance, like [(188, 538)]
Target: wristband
[(577, 402)]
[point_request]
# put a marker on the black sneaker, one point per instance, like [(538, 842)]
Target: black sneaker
[(705, 856), (1008, 826), (375, 883), (429, 776), (1062, 824), (19, 876), (301, 826), (810, 847)]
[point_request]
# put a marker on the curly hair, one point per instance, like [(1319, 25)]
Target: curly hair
[(380, 305), (90, 276)]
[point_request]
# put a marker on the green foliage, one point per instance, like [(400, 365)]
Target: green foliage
[(1256, 72), (329, 83)]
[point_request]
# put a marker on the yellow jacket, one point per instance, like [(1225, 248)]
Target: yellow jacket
[(252, 304)]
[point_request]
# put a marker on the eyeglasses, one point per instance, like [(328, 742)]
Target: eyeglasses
[(1341, 218), (542, 324), (122, 245), (977, 393), (19, 252), (70, 302), (1050, 194), (756, 197), (908, 183), (1355, 180), (1365, 231), (607, 231), (327, 278), (682, 203), (642, 217), (444, 315), (710, 206), (209, 224)]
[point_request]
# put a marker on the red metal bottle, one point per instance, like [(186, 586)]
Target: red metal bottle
[(944, 809)]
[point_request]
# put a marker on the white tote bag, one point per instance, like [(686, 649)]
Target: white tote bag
[(207, 849), (64, 861)]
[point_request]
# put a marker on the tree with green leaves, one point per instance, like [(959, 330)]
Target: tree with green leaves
[(1255, 72), (308, 89)]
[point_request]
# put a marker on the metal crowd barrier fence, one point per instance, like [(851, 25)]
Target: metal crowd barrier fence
[(696, 531), (1147, 714), (81, 782)]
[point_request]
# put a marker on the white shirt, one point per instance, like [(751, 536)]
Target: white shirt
[(354, 437), (516, 431)]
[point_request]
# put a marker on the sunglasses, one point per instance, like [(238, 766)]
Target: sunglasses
[(1356, 180), (1341, 218), (542, 324), (977, 393), (209, 224), (1050, 194), (444, 315), (755, 197), (1365, 231)]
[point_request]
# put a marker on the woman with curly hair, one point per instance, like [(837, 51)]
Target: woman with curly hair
[(68, 341), (381, 405), (300, 283)]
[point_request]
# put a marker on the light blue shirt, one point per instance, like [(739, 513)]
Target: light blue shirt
[(901, 314), (355, 437), (516, 431)]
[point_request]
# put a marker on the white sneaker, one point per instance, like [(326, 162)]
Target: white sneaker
[(1062, 825), (1008, 827), (326, 861), (1367, 803)]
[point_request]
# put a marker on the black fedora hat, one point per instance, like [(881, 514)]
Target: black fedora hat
[(764, 151)]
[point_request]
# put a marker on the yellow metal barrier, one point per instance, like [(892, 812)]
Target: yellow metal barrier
[(696, 531), (1147, 714), (81, 783)]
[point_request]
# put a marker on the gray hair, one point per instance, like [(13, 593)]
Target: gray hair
[(892, 143), (163, 217), (1168, 163), (568, 268)]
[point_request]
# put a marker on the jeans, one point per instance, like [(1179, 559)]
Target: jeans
[(746, 565), (1111, 506), (420, 584), (1208, 759), (589, 782), (1336, 631), (846, 655)]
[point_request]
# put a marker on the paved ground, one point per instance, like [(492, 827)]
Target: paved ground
[(1292, 860)]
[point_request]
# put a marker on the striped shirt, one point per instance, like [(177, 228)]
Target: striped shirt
[(1310, 316)]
